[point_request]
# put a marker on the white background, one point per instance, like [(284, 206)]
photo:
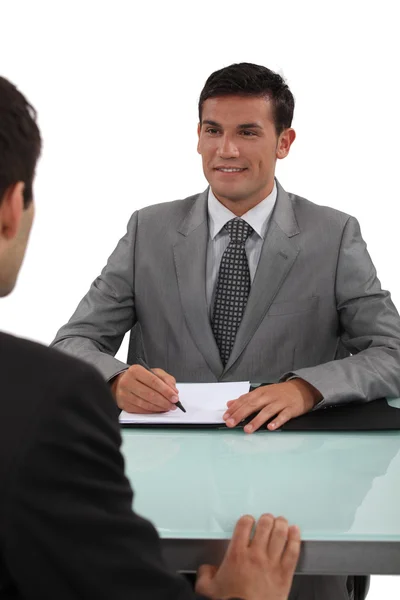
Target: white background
[(116, 86)]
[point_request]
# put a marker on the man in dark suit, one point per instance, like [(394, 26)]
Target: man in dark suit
[(67, 529)]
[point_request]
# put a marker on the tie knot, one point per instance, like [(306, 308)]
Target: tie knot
[(239, 230)]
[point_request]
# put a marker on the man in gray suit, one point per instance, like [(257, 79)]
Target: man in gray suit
[(316, 321), (304, 310)]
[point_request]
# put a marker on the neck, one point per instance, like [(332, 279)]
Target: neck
[(240, 206)]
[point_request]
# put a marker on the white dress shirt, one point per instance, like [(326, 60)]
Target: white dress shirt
[(218, 215)]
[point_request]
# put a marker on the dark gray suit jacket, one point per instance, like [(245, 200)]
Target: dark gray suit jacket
[(316, 307)]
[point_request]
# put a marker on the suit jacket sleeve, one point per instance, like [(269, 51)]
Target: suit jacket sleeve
[(70, 531), (98, 325), (369, 330)]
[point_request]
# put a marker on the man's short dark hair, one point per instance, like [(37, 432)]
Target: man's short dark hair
[(247, 79), (20, 141)]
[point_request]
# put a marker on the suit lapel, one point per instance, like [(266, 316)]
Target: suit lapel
[(190, 255), (277, 257)]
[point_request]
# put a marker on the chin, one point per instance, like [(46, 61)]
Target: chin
[(229, 193)]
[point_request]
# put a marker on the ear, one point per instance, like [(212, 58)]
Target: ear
[(198, 135), (286, 139), (11, 209)]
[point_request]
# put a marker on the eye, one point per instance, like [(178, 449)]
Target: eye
[(248, 133), (211, 130)]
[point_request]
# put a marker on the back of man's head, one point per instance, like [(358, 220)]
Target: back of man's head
[(247, 79), (20, 146), (20, 141)]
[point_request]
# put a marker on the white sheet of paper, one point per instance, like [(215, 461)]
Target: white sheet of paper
[(205, 403)]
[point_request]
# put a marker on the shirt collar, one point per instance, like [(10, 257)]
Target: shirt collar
[(256, 217)]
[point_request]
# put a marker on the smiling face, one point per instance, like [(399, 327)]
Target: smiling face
[(239, 147)]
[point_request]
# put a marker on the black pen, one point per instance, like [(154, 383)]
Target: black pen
[(145, 366)]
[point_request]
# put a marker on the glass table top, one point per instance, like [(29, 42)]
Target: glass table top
[(335, 486)]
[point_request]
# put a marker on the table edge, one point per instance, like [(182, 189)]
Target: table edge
[(316, 557)]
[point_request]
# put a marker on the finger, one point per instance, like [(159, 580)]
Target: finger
[(243, 407), (283, 417), (262, 533), (205, 572), (233, 405), (278, 539), (138, 373), (251, 402), (133, 404), (151, 396), (292, 551), (258, 397), (205, 575), (241, 536), (167, 378), (263, 416)]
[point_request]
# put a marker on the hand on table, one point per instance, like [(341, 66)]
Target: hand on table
[(136, 390), (257, 568), (280, 400)]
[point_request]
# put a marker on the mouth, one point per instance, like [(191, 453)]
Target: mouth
[(230, 169)]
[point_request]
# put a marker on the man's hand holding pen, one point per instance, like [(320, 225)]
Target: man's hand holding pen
[(143, 390)]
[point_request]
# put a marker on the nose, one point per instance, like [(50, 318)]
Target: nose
[(227, 148)]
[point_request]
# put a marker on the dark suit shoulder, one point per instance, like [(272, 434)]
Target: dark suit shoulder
[(25, 362), (37, 385)]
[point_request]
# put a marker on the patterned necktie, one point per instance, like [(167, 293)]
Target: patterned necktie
[(233, 288)]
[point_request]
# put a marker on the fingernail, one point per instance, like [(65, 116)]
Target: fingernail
[(230, 422), (248, 428), (272, 425), (174, 399), (225, 416), (174, 407)]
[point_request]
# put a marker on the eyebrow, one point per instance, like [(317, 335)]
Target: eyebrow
[(250, 126), (242, 126)]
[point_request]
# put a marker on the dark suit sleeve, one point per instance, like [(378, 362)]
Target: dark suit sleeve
[(70, 530), (369, 330)]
